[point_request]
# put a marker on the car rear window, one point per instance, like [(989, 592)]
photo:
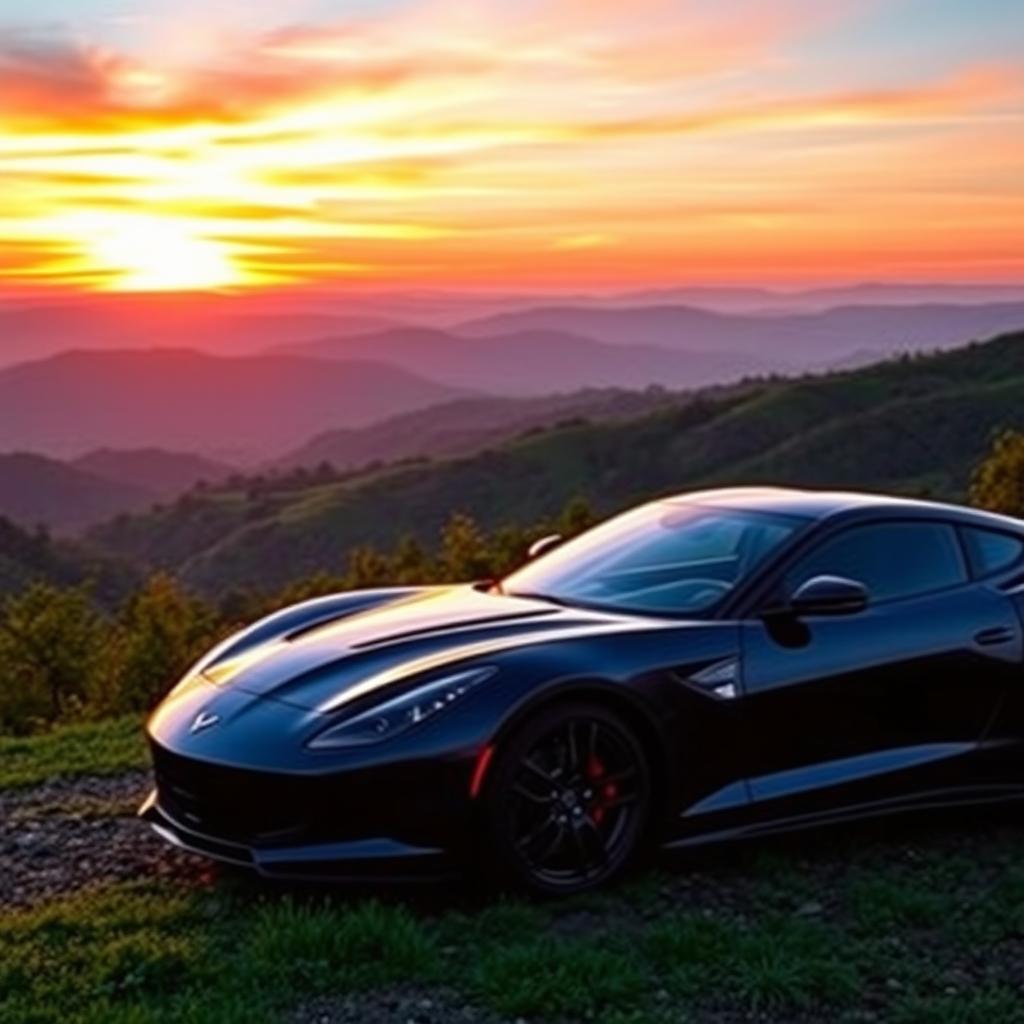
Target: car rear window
[(989, 551)]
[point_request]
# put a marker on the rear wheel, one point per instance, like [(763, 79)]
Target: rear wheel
[(567, 799)]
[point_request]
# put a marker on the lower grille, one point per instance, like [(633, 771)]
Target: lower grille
[(228, 803)]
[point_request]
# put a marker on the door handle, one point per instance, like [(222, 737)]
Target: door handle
[(994, 635)]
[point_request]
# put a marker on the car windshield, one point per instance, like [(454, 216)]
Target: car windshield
[(662, 558)]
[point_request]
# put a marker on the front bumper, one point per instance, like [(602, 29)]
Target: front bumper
[(406, 816), (354, 859), (247, 790)]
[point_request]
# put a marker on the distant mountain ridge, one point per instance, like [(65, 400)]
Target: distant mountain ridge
[(807, 341), (161, 473), (35, 331), (726, 299), (542, 361), (248, 323), (225, 408)]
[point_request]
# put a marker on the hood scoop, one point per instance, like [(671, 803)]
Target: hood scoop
[(445, 610), (428, 630)]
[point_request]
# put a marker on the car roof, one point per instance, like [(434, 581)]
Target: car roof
[(811, 504)]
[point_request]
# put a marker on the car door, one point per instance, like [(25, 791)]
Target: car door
[(870, 706)]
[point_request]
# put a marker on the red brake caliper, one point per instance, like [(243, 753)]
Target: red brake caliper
[(605, 793)]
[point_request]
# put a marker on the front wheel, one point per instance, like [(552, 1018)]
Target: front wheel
[(568, 799)]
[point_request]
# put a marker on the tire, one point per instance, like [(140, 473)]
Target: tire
[(567, 800)]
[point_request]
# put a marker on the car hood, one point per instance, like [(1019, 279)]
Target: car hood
[(325, 666)]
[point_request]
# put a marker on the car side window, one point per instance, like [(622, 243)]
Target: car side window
[(893, 560), (989, 552)]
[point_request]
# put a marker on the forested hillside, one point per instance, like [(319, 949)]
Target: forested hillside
[(913, 425), (468, 424), (34, 556)]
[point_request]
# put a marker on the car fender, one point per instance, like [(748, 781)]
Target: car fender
[(527, 696)]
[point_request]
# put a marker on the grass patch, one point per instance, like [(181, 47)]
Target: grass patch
[(882, 902), (93, 748), (786, 962), (147, 954), (316, 949), (505, 921), (992, 1006), (569, 978), (108, 953), (777, 963)]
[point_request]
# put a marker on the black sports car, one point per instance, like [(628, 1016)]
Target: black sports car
[(714, 665)]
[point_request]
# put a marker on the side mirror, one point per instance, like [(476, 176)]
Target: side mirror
[(538, 547), (829, 595)]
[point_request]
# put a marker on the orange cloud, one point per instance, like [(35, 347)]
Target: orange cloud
[(468, 142)]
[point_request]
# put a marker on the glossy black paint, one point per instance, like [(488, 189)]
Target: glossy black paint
[(757, 718)]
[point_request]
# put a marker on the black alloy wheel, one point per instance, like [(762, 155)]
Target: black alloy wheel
[(568, 799)]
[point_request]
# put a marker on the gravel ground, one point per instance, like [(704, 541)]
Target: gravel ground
[(397, 1006), (65, 835)]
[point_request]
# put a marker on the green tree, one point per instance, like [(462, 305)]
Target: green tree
[(464, 551), (54, 645), (410, 564), (997, 483), (576, 517), (161, 631), (242, 605), (508, 547), (367, 567)]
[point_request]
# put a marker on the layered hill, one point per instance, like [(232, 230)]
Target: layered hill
[(733, 299), (235, 325), (542, 361), (66, 497), (812, 340), (37, 490), (162, 474), (467, 425), (249, 408), (70, 496), (914, 425)]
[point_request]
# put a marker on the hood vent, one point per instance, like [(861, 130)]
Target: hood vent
[(451, 627)]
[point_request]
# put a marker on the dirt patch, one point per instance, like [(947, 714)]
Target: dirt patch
[(67, 835)]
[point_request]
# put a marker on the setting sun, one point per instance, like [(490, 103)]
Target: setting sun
[(147, 254)]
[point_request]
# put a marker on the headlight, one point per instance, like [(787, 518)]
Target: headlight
[(395, 716)]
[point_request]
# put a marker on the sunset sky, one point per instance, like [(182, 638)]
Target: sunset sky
[(215, 144)]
